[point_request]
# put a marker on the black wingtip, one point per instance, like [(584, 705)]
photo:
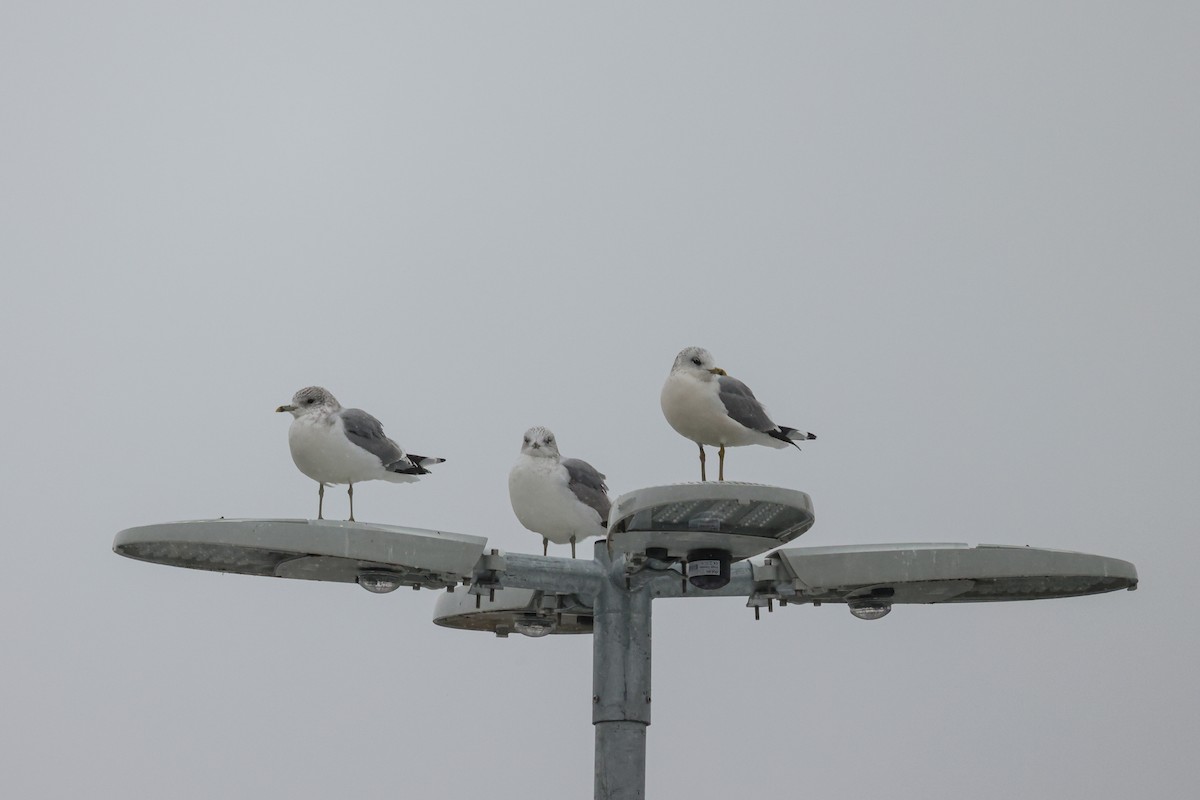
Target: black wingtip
[(782, 435), (789, 435), (417, 465), (416, 469)]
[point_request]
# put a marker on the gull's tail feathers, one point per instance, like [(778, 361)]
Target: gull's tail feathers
[(414, 465), (790, 435)]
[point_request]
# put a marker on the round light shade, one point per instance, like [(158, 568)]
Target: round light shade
[(744, 519), (946, 573), (319, 550), (508, 610)]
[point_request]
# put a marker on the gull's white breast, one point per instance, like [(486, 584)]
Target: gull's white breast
[(545, 504), (322, 452), (694, 410)]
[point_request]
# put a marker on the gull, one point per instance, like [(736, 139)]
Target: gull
[(331, 445), (703, 403), (563, 499)]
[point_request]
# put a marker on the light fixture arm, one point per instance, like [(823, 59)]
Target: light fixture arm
[(544, 573)]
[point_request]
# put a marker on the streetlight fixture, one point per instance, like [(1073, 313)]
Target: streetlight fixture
[(682, 540)]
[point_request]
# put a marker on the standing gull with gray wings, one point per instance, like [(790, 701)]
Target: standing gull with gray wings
[(331, 444), (563, 499), (704, 404)]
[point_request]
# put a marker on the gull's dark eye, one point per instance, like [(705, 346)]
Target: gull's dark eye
[(696, 361)]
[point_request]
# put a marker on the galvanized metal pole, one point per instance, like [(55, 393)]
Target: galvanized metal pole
[(621, 684)]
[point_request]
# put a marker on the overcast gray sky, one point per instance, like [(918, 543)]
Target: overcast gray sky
[(958, 241)]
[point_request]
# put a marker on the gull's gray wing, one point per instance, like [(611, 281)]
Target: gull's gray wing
[(741, 405), (367, 432), (586, 482)]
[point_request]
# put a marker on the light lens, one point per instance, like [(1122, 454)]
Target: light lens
[(379, 582), (534, 627), (870, 610)]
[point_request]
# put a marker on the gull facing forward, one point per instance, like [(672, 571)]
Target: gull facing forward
[(563, 499), (704, 404), (331, 444)]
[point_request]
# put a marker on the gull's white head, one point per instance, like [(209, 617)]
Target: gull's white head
[(540, 443), (309, 400), (698, 362)]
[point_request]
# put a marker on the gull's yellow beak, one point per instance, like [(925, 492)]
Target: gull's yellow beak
[(285, 408), (718, 371)]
